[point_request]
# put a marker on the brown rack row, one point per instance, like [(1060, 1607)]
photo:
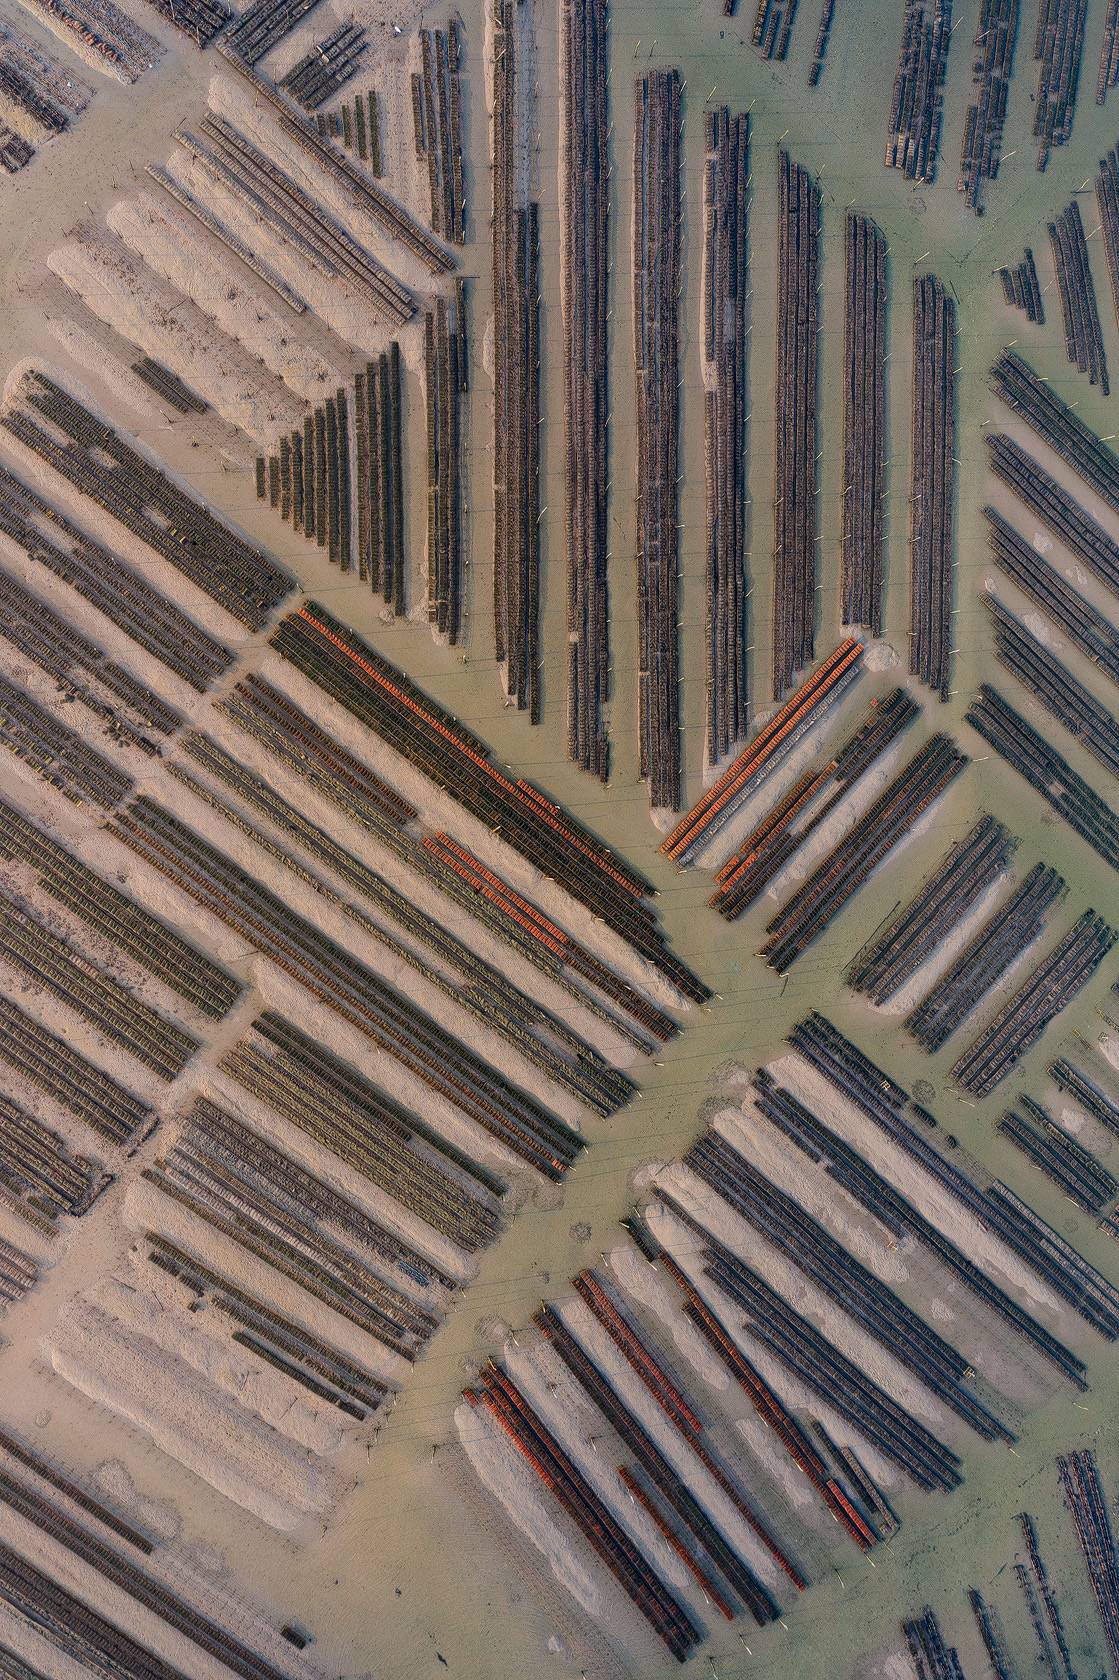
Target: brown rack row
[(769, 847), (65, 1075), (754, 763), (58, 754)]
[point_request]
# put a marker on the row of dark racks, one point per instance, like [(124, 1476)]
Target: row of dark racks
[(995, 36), (1009, 931), (864, 422), (349, 1117), (328, 66), (446, 360), (717, 804), (371, 199), (1043, 584), (414, 938), (295, 217), (1074, 1169), (127, 710), (1027, 752), (917, 106), (1052, 504), (309, 753), (811, 909), (808, 1246), (1021, 289), (1056, 424), (726, 416), (438, 745), (1084, 1498), (585, 210), (765, 852), (169, 386), (43, 1059), (1049, 989), (656, 302), (1055, 687), (40, 1178), (239, 1186), (796, 467), (54, 965), (883, 1101), (358, 127), (933, 491), (1058, 49), (1083, 337), (59, 755), (224, 234), (112, 916), (912, 936), (148, 503), (516, 436), (348, 987), (305, 1359)]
